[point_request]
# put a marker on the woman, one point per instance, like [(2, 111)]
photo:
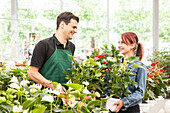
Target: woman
[(129, 46)]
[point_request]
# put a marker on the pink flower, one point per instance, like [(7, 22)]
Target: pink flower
[(87, 97), (104, 53), (66, 100), (80, 104), (157, 81)]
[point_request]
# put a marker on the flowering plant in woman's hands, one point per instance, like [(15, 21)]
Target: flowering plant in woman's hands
[(157, 82), (95, 68)]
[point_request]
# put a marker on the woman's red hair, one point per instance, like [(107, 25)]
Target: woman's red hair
[(132, 38)]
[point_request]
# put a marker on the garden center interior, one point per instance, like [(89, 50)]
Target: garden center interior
[(23, 23)]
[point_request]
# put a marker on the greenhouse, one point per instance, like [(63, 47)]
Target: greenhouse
[(84, 56)]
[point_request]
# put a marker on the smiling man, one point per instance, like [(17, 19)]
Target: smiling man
[(50, 56)]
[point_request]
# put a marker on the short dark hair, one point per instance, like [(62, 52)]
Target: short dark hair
[(66, 17)]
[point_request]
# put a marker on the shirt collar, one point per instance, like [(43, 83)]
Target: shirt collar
[(58, 43)]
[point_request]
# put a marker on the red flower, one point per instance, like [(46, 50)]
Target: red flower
[(157, 62), (102, 75), (101, 56), (161, 70), (105, 62), (154, 63)]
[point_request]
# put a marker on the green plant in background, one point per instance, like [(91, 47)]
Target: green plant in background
[(6, 75), (156, 83), (164, 60)]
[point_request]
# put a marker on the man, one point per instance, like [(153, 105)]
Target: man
[(50, 57)]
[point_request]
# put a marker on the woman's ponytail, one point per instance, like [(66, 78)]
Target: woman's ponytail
[(139, 51)]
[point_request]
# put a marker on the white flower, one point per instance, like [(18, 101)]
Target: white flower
[(97, 94), (72, 102), (37, 86), (59, 87), (48, 98), (24, 82), (26, 111), (26, 92), (85, 83), (3, 99), (86, 91), (14, 79), (99, 64), (17, 108), (32, 86), (111, 59), (14, 85), (33, 90), (54, 91), (69, 82)]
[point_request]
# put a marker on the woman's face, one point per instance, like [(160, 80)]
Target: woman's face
[(124, 49)]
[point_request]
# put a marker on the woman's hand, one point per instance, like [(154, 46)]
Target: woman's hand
[(119, 106)]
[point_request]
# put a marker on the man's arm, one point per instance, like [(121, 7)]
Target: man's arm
[(37, 77)]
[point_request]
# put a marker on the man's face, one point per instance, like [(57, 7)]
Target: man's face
[(70, 29)]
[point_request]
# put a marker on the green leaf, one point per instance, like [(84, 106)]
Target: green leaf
[(6, 107), (116, 85), (55, 84), (135, 65), (67, 111), (28, 103), (75, 93), (40, 109), (72, 58), (94, 103), (84, 110), (74, 86), (104, 99), (131, 59), (130, 73), (126, 84), (151, 94)]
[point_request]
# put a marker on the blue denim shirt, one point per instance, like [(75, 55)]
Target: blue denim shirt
[(136, 95)]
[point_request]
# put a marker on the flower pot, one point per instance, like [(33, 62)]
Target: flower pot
[(97, 110), (110, 102), (151, 102), (144, 107)]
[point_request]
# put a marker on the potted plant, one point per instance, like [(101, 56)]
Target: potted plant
[(156, 83), (104, 72)]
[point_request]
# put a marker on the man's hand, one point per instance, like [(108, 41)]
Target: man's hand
[(119, 106)]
